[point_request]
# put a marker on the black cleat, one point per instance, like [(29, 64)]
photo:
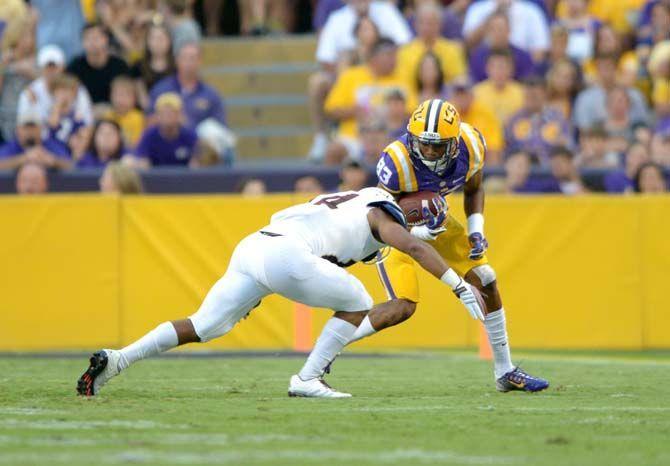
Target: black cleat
[(86, 383)]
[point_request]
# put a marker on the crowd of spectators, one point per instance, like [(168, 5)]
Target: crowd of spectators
[(562, 85), (93, 84)]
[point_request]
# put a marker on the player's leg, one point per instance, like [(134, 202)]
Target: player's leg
[(398, 275), (454, 247), (295, 273), (508, 377), (227, 302)]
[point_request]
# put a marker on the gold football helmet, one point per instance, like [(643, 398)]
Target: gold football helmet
[(435, 123)]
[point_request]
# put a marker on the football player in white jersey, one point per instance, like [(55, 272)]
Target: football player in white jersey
[(299, 255)]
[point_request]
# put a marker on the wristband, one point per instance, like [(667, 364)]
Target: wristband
[(451, 278), (476, 224)]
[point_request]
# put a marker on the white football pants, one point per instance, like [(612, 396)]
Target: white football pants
[(262, 265)]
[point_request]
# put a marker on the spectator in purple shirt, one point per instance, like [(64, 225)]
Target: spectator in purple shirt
[(30, 147), (497, 37), (452, 18), (519, 181), (565, 172), (106, 145), (537, 128), (201, 101), (65, 122), (169, 142), (623, 181)]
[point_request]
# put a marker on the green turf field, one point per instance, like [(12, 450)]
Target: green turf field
[(424, 408)]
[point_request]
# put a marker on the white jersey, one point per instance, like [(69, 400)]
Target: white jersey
[(335, 226)]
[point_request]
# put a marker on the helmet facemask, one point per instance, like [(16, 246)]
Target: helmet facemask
[(448, 148)]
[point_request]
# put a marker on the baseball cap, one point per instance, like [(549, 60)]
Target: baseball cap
[(50, 54), (29, 117), (169, 99)]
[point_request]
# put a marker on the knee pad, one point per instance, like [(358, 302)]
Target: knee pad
[(485, 273)]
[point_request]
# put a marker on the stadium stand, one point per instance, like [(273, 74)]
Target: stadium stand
[(266, 81)]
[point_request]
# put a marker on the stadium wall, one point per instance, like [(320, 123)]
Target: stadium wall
[(88, 271)]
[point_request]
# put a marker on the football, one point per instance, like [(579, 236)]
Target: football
[(412, 205)]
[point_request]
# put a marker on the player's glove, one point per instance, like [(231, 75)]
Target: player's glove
[(478, 245), (466, 294), (433, 226)]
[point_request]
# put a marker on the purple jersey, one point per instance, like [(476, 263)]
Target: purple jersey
[(162, 151), (400, 172)]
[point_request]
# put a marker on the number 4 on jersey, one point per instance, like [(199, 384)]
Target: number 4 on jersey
[(336, 199)]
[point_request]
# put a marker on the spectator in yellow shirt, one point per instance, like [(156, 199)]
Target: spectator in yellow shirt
[(500, 91), (609, 42), (659, 70), (614, 12), (450, 53), (358, 94), (124, 105), (430, 79), (480, 115)]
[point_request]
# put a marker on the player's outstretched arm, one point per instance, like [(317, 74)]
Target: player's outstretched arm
[(388, 231)]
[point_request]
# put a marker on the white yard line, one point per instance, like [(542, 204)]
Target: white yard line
[(410, 456), (578, 359), (49, 424)]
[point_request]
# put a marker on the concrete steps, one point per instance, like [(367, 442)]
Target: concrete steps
[(273, 145), (259, 51), (262, 115), (264, 81), (260, 79)]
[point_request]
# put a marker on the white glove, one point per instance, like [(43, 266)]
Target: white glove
[(424, 233), (466, 293)]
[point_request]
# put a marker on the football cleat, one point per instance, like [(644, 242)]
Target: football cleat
[(517, 379), (104, 365), (313, 388)]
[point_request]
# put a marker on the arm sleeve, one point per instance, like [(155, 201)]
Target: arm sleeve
[(457, 66), (511, 143), (484, 148), (387, 174), (24, 102), (495, 138), (395, 22), (326, 50), (154, 93), (8, 150), (538, 28), (58, 149), (474, 17), (219, 109), (341, 95), (142, 148)]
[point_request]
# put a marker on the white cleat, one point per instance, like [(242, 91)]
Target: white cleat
[(104, 365), (313, 388)]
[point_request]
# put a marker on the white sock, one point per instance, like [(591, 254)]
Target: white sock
[(497, 332), (160, 339), (364, 330), (335, 334)]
